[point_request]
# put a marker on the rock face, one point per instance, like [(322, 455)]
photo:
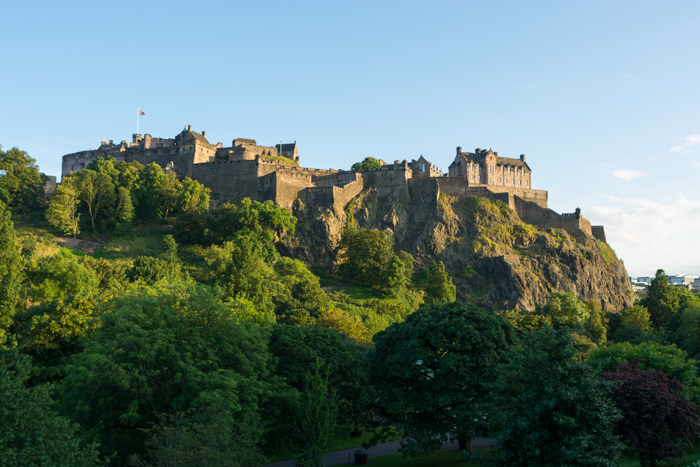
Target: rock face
[(495, 260)]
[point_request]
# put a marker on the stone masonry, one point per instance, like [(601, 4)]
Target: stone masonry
[(246, 169)]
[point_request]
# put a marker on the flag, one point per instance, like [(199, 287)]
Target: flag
[(142, 113)]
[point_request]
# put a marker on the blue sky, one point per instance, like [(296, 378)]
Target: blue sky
[(602, 97)]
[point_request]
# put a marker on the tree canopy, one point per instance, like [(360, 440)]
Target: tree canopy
[(431, 372), (367, 163), (551, 410), (20, 180), (657, 420), (163, 351)]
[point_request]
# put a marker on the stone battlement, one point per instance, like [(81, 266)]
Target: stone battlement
[(245, 170)]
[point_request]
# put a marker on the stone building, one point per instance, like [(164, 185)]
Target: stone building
[(488, 168), (246, 169)]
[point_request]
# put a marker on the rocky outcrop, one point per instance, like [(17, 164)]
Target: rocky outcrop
[(495, 260)]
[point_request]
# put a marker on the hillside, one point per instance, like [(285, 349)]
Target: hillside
[(496, 260)]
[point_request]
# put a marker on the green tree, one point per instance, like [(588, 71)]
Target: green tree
[(317, 410), (550, 410), (564, 310), (664, 301), (20, 179), (130, 175), (396, 278), (432, 372), (170, 192), (303, 286), (164, 351), (97, 192), (240, 269), (266, 221), (10, 273), (296, 350), (63, 208), (123, 208), (365, 255), (687, 336), (106, 166), (52, 332), (666, 358), (152, 270), (436, 284), (58, 276), (193, 197), (32, 433), (210, 437), (368, 163), (148, 192)]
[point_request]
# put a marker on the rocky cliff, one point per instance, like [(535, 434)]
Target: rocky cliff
[(495, 260)]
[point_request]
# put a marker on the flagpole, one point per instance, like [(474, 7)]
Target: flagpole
[(138, 112)]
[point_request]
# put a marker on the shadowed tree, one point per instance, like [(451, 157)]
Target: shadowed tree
[(10, 273), (657, 420), (432, 372), (551, 410)]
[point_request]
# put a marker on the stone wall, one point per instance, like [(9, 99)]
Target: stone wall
[(547, 219), (230, 180), (599, 232), (389, 181), (287, 186)]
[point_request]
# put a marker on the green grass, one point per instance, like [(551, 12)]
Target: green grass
[(452, 457), (342, 444), (146, 240), (438, 459), (280, 159)]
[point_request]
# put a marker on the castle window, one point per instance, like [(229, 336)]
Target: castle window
[(525, 182), (499, 180), (513, 180)]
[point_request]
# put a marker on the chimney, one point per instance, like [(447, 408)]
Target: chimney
[(204, 133), (459, 150), (189, 127), (477, 150), (522, 157), (111, 141)]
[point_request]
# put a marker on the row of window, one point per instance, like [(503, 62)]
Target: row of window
[(504, 170), (477, 178)]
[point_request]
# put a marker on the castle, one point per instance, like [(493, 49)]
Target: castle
[(272, 173)]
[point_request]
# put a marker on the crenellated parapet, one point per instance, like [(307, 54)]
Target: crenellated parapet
[(249, 170)]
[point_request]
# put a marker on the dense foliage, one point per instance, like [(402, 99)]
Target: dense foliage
[(657, 420), (367, 163), (432, 372), (551, 410), (190, 339)]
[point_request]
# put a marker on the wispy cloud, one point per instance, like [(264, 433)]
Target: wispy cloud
[(627, 174), (647, 221), (650, 234), (687, 144)]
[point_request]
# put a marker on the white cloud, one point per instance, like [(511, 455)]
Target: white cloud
[(686, 146), (650, 234), (628, 175)]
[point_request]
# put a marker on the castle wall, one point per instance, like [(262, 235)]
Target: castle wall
[(599, 232), (287, 186), (388, 181), (343, 194), (547, 219), (231, 180)]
